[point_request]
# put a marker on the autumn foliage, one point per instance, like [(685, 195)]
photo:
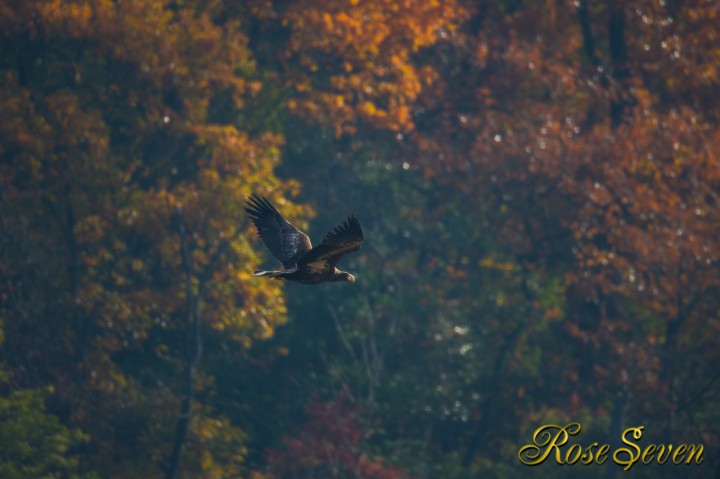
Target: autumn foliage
[(539, 183), (331, 444)]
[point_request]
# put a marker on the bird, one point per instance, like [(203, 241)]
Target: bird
[(301, 261)]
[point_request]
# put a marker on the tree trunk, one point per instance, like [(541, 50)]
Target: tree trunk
[(195, 326)]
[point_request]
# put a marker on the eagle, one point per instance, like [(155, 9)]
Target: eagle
[(301, 262)]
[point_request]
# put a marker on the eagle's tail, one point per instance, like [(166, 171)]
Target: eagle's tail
[(271, 274)]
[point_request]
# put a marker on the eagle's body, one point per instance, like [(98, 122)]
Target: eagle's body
[(308, 278), (301, 262)]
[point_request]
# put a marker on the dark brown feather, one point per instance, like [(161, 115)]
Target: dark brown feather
[(302, 262), (344, 239), (287, 243)]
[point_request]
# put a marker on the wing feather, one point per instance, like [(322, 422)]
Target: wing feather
[(286, 243), (344, 239)]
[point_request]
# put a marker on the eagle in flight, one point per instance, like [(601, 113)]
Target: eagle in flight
[(301, 262)]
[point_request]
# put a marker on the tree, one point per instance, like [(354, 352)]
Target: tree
[(537, 182), (114, 115), (536, 142)]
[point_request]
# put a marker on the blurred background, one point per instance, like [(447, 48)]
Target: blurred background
[(539, 187)]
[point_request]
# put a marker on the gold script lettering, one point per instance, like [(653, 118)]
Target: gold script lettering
[(647, 455), (602, 454), (631, 458), (678, 456), (554, 438), (663, 453), (544, 441), (691, 452)]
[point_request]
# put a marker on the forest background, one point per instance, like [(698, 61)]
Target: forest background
[(538, 182)]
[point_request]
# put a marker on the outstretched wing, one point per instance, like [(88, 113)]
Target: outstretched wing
[(344, 239), (285, 242)]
